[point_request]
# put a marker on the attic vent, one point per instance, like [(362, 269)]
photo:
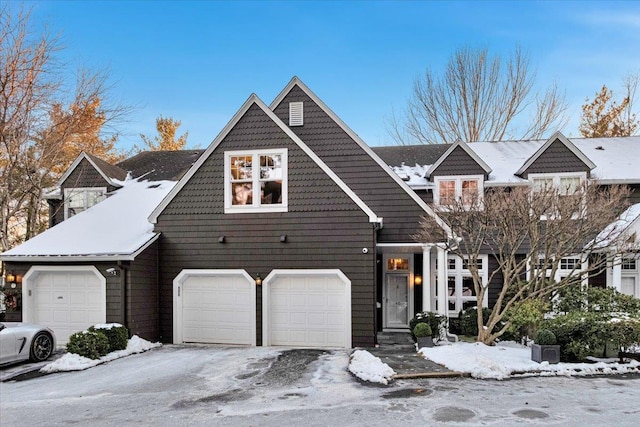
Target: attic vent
[(599, 147), (296, 116)]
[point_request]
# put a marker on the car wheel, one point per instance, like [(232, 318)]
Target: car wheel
[(41, 347)]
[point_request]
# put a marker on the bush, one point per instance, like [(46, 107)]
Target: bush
[(434, 320), (525, 318), (545, 337), (117, 335), (422, 330), (468, 321), (88, 344)]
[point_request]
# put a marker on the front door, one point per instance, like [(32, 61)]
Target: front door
[(397, 291)]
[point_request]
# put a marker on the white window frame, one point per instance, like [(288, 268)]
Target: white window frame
[(229, 207), (458, 186), (68, 192), (583, 265), (557, 177), (459, 273)]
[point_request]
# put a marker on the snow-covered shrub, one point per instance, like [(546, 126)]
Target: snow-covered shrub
[(434, 320), (117, 335), (88, 344)]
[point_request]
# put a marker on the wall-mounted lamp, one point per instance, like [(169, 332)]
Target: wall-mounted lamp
[(258, 280), (283, 238), (18, 278), (10, 278), (111, 271), (221, 239), (418, 280)]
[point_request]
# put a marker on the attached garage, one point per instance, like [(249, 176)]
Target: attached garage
[(307, 308), (66, 299), (214, 306)]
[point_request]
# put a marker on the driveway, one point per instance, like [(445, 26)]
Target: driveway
[(212, 385)]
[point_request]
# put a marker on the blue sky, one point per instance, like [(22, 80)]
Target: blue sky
[(198, 61)]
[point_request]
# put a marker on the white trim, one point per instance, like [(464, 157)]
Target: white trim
[(467, 150), (564, 140), (253, 99), (460, 272), (68, 192), (312, 272), (255, 207), (75, 164), (458, 183), (296, 81), (36, 270), (177, 296)]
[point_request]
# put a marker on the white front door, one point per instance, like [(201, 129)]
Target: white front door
[(397, 300)]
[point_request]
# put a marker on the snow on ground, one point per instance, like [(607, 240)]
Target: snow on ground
[(368, 367), (75, 362), (509, 359)]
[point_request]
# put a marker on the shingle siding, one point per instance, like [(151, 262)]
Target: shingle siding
[(356, 168), (324, 227), (555, 159), (458, 162), (142, 294)]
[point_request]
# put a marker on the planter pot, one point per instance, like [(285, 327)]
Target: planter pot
[(545, 353), (425, 342)]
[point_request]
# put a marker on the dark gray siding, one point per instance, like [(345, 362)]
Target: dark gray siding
[(83, 176), (356, 168), (142, 294), (635, 194), (555, 159), (458, 162), (324, 228)]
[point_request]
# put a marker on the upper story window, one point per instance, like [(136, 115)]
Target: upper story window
[(629, 264), (77, 200), (451, 190), (256, 181), (568, 186)]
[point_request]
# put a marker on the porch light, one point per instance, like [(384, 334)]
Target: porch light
[(10, 278), (258, 280), (19, 278), (418, 280)]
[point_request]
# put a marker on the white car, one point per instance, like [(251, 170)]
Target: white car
[(23, 341)]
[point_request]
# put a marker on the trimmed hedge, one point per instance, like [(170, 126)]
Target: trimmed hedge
[(434, 320), (545, 337), (117, 335), (422, 330), (88, 344)]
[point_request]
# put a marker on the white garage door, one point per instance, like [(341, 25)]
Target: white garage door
[(67, 301), (215, 307), (307, 308)]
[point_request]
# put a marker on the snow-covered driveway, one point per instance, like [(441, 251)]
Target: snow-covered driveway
[(210, 385)]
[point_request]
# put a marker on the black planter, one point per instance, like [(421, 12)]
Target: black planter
[(545, 353), (425, 342)]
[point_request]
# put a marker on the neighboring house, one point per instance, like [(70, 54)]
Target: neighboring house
[(287, 230)]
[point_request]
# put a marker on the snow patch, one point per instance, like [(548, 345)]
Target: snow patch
[(368, 367)]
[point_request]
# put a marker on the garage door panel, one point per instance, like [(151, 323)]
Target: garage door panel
[(218, 308), (306, 309)]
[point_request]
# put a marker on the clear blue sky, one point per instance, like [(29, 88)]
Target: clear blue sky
[(198, 61)]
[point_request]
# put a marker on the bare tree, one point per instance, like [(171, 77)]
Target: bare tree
[(529, 232), (478, 98), (43, 127)]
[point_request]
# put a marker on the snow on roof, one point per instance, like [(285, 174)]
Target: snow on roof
[(114, 228), (621, 225)]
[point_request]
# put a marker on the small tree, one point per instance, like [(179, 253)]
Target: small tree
[(603, 117), (506, 224), (166, 140)]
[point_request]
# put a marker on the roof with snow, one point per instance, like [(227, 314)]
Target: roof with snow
[(615, 159), (160, 165), (116, 228)]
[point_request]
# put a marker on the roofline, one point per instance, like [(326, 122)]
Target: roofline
[(66, 258), (467, 150), (296, 81), (75, 164), (616, 181), (253, 99), (563, 139)]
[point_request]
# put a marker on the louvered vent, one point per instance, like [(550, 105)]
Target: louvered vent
[(296, 114)]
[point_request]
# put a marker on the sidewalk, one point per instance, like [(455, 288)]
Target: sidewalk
[(397, 350)]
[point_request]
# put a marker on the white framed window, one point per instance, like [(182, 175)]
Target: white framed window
[(629, 264), (568, 184), (255, 181), (77, 200), (461, 293), (452, 189), (568, 266)]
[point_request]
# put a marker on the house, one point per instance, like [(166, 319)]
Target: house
[(287, 230)]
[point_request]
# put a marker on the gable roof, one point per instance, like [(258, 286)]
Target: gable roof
[(115, 229), (108, 171), (254, 100), (160, 165), (295, 81), (464, 146), (558, 136)]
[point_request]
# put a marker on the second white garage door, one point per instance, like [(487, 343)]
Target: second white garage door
[(214, 306), (307, 308)]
